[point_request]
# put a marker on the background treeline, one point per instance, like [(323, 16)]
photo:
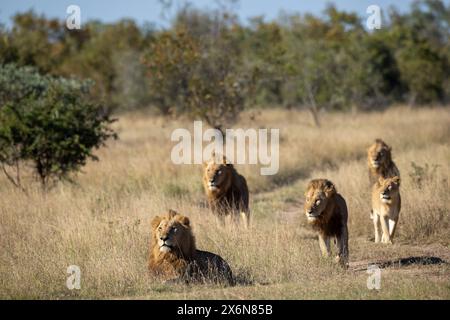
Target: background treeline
[(209, 64)]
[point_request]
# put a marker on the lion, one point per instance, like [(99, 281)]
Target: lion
[(380, 162), (386, 203), (175, 258), (226, 189), (326, 211)]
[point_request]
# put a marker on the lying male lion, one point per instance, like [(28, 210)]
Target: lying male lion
[(326, 212), (174, 257), (386, 203), (226, 189)]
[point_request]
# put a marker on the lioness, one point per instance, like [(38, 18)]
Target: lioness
[(386, 203), (226, 189), (326, 212), (380, 162), (174, 257)]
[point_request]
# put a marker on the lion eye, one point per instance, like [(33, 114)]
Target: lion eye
[(175, 230), (219, 172), (317, 202), (159, 228)]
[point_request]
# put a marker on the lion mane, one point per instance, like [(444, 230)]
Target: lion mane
[(379, 160), (173, 255), (226, 190), (326, 211)]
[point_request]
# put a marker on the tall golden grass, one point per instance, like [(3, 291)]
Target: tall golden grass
[(102, 222)]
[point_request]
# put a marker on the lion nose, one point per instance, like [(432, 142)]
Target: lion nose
[(309, 211), (163, 238)]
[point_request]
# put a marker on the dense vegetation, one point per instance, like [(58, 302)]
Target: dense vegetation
[(210, 64), (48, 122)]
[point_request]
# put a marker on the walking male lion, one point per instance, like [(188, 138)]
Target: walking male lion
[(327, 213), (379, 160), (226, 189)]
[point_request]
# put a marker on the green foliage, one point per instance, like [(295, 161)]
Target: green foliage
[(109, 54), (199, 74), (207, 64), (170, 61), (48, 122)]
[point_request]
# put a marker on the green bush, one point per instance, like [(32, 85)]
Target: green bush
[(49, 123)]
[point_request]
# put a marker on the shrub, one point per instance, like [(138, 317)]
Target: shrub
[(48, 122), (419, 174)]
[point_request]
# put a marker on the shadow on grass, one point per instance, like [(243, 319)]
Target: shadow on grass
[(243, 277), (405, 262)]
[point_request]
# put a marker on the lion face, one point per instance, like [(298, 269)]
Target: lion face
[(217, 175), (172, 233), (388, 188), (378, 153), (317, 195)]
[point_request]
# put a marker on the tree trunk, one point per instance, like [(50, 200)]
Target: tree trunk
[(313, 106)]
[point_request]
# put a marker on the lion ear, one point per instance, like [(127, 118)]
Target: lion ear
[(396, 180), (329, 187), (185, 220), (156, 221)]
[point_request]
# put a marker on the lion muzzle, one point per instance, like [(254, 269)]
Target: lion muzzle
[(212, 185), (165, 245), (311, 215), (375, 163)]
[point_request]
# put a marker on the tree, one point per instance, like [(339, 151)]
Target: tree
[(197, 71), (421, 41), (50, 123)]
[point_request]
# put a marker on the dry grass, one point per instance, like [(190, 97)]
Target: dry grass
[(102, 223)]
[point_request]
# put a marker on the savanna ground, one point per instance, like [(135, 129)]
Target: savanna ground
[(102, 223)]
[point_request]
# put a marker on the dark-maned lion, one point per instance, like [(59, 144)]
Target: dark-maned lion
[(174, 256), (226, 189), (379, 160), (327, 213)]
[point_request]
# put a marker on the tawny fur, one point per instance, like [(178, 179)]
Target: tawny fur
[(327, 213), (182, 261), (386, 204), (379, 161), (226, 190)]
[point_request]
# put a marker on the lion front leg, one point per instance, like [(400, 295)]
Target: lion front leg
[(324, 244), (376, 225), (385, 238), (392, 227)]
